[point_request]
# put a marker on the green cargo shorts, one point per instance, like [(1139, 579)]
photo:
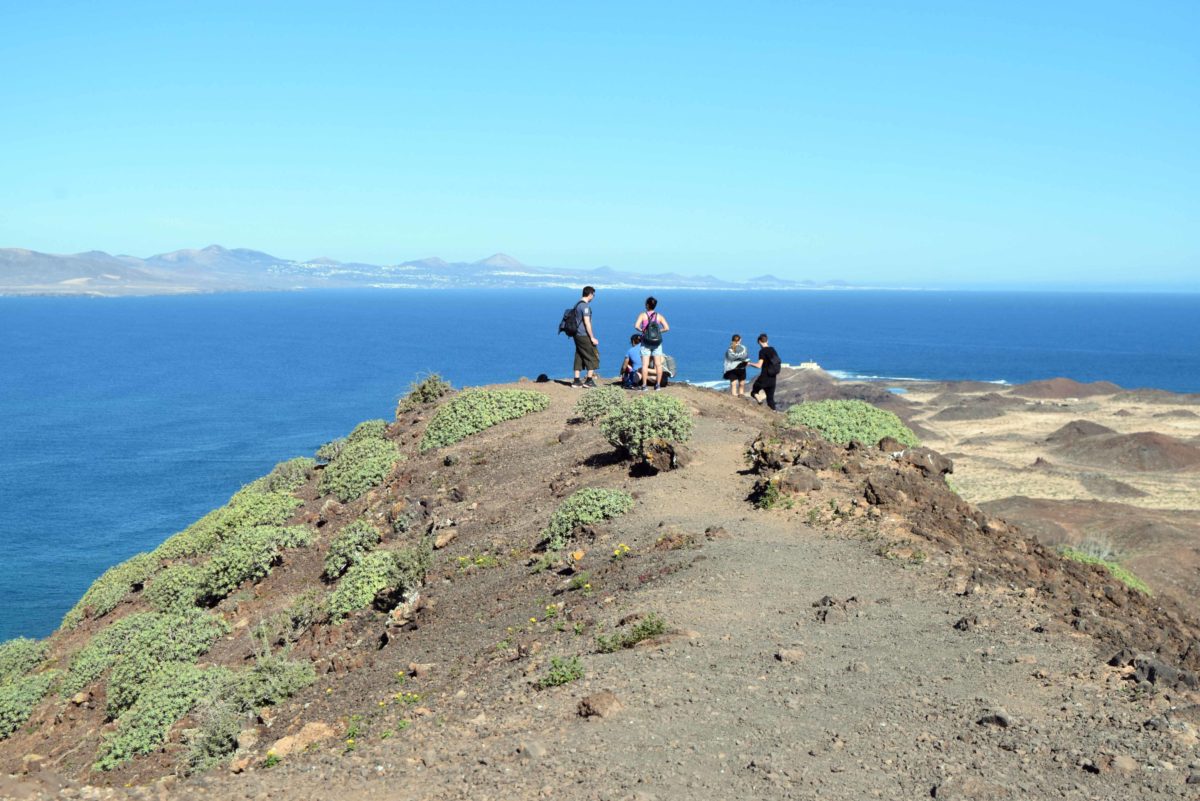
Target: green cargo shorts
[(587, 355)]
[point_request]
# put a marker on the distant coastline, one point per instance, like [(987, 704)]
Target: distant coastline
[(216, 269)]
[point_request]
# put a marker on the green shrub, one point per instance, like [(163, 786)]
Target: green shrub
[(644, 418), (246, 555), (248, 507), (846, 421), (368, 429), (396, 571), (223, 711), (170, 692), (331, 450), (650, 626), (427, 390), (588, 505), (598, 403), (349, 546), (111, 588), (20, 696), (289, 624), (286, 476), (103, 649), (157, 640), (1119, 572), (20, 656), (562, 671), (175, 588), (361, 465), (474, 410)]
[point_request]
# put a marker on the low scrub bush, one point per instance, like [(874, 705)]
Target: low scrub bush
[(647, 417), (395, 571), (19, 696), (223, 711), (157, 640), (474, 410), (111, 588), (650, 626), (247, 508), (562, 671), (846, 421), (20, 656), (331, 450), (102, 650), (248, 555), (368, 429), (349, 546), (362, 464), (588, 505), (599, 403), (170, 692), (427, 390), (1116, 570), (289, 624), (286, 476), (175, 588)]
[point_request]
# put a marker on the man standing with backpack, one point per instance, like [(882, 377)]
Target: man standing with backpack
[(577, 324), (769, 363)]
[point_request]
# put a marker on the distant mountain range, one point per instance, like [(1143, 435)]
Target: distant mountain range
[(217, 269)]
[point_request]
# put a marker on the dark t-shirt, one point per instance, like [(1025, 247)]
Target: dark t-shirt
[(769, 359)]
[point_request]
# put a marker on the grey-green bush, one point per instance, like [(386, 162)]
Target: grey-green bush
[(175, 588), (362, 464), (474, 410), (247, 508), (846, 421), (588, 505), (597, 404), (427, 390), (647, 417), (377, 571), (111, 588), (19, 656), (246, 555), (349, 546), (20, 696), (170, 692)]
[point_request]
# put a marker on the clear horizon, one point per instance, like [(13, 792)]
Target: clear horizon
[(935, 145)]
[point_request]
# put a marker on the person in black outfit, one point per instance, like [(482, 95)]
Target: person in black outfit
[(768, 363)]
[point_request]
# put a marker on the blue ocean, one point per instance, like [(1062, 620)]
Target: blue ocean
[(123, 420)]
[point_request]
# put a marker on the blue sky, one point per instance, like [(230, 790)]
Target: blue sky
[(936, 144)]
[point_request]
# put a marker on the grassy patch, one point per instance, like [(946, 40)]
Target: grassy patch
[(428, 390), (20, 656), (647, 417), (474, 410), (562, 671), (393, 571), (19, 696), (649, 626), (349, 546), (846, 421), (588, 505), (1118, 572), (599, 403), (361, 464)]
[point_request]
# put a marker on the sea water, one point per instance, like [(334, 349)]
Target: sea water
[(123, 420)]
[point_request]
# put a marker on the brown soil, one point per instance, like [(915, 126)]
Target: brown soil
[(1143, 451), (872, 636), (1063, 388)]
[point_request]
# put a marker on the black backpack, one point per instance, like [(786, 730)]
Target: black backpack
[(773, 366), (652, 335), (570, 321)]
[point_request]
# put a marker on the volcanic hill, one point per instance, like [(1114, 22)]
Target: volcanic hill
[(492, 598)]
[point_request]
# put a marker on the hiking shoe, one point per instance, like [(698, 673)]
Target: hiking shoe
[(577, 383), (589, 384), (657, 387)]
